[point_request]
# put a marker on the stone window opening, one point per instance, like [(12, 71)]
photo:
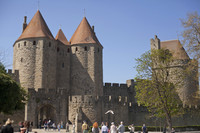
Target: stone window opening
[(85, 48), (34, 42), (49, 44), (68, 50), (21, 59), (76, 49), (110, 98), (25, 43), (167, 73), (98, 50), (120, 98), (63, 65), (18, 45), (58, 49)]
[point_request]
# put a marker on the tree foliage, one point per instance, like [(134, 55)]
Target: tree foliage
[(191, 34), (12, 95), (191, 39), (155, 87)]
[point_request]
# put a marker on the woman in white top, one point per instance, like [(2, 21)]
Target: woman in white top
[(113, 128)]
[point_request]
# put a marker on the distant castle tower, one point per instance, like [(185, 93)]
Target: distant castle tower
[(189, 86)]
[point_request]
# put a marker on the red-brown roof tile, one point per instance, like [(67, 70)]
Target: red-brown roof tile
[(176, 48), (84, 34), (61, 37), (36, 28)]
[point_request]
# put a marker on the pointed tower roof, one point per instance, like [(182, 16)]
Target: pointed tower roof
[(61, 37), (36, 28), (84, 34), (176, 48)]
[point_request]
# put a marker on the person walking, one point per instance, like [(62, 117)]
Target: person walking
[(85, 127), (104, 128), (121, 127), (58, 126), (67, 127), (54, 126), (113, 128), (21, 125), (95, 128), (131, 128), (144, 129), (73, 128), (8, 128), (173, 131)]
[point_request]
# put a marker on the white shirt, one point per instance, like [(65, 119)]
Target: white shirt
[(104, 128), (113, 129)]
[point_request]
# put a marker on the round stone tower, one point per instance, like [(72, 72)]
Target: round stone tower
[(86, 71), (35, 55)]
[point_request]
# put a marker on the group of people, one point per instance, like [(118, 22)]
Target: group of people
[(25, 127), (113, 128), (48, 124), (106, 129)]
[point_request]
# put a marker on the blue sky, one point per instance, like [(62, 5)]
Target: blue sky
[(124, 27)]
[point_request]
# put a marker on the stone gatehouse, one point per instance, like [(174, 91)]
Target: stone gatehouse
[(65, 78)]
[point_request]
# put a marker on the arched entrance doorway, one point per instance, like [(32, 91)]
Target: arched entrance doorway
[(45, 113)]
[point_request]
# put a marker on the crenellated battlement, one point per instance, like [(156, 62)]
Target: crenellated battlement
[(114, 85), (15, 73)]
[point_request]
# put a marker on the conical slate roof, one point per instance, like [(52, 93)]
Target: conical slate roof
[(176, 48), (84, 34), (61, 37), (36, 28)]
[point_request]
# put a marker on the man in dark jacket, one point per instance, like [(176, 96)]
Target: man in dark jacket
[(7, 128)]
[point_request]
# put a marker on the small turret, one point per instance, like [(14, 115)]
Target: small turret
[(24, 24), (155, 43)]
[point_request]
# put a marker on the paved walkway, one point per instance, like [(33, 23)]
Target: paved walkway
[(64, 131)]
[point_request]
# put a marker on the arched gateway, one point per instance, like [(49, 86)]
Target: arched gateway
[(46, 104), (46, 112)]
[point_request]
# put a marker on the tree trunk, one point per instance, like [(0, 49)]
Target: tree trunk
[(169, 122)]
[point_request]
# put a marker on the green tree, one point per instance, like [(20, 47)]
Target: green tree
[(12, 95), (155, 89), (191, 40), (191, 34)]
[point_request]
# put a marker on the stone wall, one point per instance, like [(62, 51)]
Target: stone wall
[(85, 67), (63, 66), (49, 64), (188, 86), (86, 107)]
